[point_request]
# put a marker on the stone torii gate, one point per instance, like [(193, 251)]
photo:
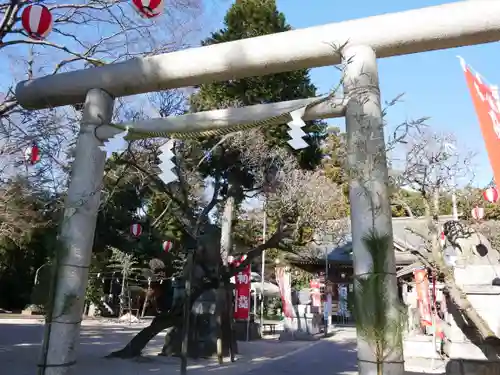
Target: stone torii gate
[(362, 41)]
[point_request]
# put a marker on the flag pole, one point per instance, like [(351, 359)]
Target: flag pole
[(263, 269)]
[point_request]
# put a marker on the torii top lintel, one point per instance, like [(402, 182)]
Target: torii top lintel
[(445, 26)]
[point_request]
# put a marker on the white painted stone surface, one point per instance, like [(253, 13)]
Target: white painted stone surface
[(419, 346), (475, 281), (477, 274)]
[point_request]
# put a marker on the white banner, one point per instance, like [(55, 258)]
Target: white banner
[(343, 311), (284, 279)]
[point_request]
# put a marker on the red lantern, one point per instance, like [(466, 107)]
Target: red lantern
[(491, 194), (167, 246), (148, 8), (477, 213), (136, 230), (32, 154), (37, 21)]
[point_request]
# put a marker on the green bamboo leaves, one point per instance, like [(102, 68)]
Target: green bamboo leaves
[(380, 319)]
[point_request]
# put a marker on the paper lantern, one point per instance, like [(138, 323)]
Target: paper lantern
[(148, 8), (32, 154), (477, 213), (37, 21), (136, 230), (167, 246), (491, 194), (314, 284)]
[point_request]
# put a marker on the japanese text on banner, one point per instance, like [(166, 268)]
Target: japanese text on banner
[(487, 106), (242, 292)]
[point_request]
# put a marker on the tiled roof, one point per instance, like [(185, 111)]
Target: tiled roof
[(403, 239)]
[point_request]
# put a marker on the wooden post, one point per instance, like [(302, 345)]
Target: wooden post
[(187, 312)]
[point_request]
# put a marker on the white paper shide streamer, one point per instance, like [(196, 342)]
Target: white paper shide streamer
[(167, 165), (296, 133), (115, 144)]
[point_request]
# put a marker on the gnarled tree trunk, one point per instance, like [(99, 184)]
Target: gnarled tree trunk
[(138, 343), (206, 280), (163, 321), (224, 300)]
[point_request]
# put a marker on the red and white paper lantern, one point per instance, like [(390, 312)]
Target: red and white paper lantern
[(477, 213), (37, 21), (32, 154), (148, 8), (491, 194), (167, 246), (136, 230)]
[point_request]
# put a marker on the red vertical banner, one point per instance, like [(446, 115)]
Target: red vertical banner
[(423, 298), (486, 104), (242, 291)]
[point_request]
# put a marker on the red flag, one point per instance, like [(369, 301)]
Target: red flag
[(487, 107)]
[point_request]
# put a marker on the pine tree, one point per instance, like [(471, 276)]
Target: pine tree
[(246, 19)]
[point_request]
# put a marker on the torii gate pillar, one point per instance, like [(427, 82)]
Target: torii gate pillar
[(369, 198), (76, 239)]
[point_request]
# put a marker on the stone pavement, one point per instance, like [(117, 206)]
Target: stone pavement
[(20, 345), (335, 355)]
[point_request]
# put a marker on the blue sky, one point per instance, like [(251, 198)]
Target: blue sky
[(433, 82)]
